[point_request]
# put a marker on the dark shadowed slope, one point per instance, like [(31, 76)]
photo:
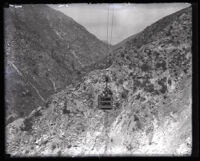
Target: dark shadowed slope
[(45, 51)]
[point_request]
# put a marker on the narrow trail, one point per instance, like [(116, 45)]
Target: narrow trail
[(18, 71), (28, 80)]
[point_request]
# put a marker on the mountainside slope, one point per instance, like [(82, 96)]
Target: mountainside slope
[(152, 32), (45, 51), (151, 87)]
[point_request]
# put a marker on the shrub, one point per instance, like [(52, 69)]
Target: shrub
[(59, 153), (137, 97), (84, 87), (47, 74), (120, 81), (35, 71), (162, 65), (142, 99), (90, 103), (27, 125), (47, 105), (136, 118), (117, 104), (26, 93), (145, 67), (37, 114), (149, 88), (65, 111), (114, 77), (124, 94), (21, 114), (53, 146), (137, 83), (129, 147), (131, 74), (169, 82), (163, 89), (78, 72)]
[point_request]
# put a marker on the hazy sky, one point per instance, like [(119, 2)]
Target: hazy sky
[(128, 19)]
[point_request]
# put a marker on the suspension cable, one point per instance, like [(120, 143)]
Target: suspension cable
[(112, 26), (109, 41), (107, 27)]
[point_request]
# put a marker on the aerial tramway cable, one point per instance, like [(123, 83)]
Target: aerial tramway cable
[(105, 111), (109, 42), (107, 27), (111, 27)]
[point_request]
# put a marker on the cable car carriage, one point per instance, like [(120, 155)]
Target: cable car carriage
[(105, 100)]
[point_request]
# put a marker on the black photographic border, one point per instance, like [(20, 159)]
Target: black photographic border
[(195, 78)]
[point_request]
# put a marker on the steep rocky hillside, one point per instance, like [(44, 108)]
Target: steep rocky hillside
[(152, 32), (151, 85), (45, 51)]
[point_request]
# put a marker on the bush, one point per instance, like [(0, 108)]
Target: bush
[(59, 153), (124, 94), (47, 74), (169, 82), (137, 97), (120, 81), (142, 99), (35, 71), (78, 72), (48, 103), (27, 125), (162, 83), (65, 111), (26, 93), (117, 104), (21, 114), (145, 67), (136, 118), (37, 114), (129, 147), (161, 65), (149, 88), (84, 87), (114, 77), (163, 89), (90, 103), (53, 146)]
